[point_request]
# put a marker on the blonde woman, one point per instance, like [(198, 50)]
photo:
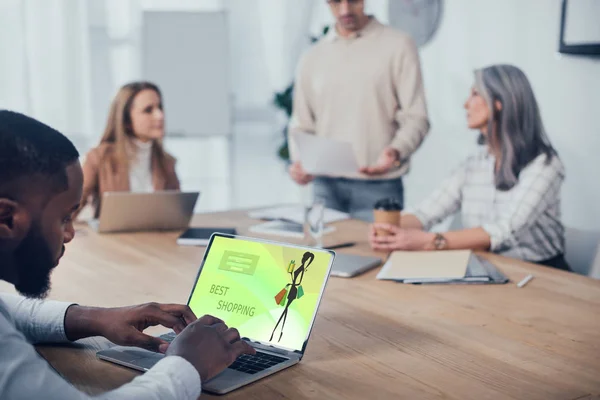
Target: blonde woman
[(508, 192), (130, 156)]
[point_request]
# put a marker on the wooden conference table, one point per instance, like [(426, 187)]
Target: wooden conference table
[(372, 339)]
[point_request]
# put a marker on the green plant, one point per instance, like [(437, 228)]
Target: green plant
[(284, 101)]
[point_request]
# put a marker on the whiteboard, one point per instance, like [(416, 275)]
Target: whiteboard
[(187, 55), (581, 25)]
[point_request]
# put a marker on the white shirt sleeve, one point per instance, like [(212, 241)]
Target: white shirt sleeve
[(40, 321), (25, 375), (443, 202), (538, 186)]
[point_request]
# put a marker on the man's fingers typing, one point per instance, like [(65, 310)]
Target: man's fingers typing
[(179, 310), (220, 327), (241, 347), (231, 335), (144, 341), (209, 320), (158, 316)]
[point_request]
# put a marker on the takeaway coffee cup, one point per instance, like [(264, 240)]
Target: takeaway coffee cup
[(387, 211)]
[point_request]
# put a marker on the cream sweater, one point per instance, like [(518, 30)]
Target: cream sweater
[(367, 90)]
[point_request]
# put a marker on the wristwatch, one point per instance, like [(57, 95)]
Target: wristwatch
[(439, 242)]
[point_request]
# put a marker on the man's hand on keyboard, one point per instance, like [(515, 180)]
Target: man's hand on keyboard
[(125, 325), (209, 345)]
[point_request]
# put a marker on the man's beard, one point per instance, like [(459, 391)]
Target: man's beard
[(34, 262)]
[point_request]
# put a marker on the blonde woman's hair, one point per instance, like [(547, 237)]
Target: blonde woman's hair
[(119, 132)]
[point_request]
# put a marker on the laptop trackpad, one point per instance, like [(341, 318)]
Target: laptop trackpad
[(148, 361), (226, 381), (132, 357)]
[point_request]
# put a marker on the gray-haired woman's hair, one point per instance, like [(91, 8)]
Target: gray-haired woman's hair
[(516, 128)]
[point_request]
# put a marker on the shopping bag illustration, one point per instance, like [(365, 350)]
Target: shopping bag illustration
[(291, 267), (296, 277), (280, 297)]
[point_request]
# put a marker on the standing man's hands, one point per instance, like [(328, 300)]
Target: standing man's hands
[(389, 158), (210, 346), (299, 175)]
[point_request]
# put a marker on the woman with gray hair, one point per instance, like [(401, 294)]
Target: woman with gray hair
[(508, 192)]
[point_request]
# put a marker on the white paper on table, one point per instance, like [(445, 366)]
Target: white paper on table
[(324, 156), (296, 214), (283, 228)]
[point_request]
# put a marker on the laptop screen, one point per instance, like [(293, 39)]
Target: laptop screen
[(269, 292)]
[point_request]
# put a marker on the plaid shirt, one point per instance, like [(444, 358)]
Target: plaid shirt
[(523, 222)]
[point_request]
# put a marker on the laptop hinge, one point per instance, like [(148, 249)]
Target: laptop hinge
[(272, 349)]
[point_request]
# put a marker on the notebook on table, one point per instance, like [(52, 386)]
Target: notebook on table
[(454, 266)]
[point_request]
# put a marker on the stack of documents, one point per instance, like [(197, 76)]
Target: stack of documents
[(455, 266)]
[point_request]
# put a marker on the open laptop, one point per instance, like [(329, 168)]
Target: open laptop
[(131, 212), (350, 265), (243, 282)]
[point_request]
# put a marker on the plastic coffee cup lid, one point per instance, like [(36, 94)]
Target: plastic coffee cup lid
[(388, 204)]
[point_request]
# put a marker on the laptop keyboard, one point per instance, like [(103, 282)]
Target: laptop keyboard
[(256, 363), (168, 337), (244, 363)]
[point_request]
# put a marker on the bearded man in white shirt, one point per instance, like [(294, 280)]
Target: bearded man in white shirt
[(40, 189)]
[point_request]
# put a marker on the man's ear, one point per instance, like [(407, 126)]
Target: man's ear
[(14, 220)]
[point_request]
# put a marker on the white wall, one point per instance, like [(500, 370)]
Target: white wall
[(249, 79), (267, 38), (474, 34), (115, 30), (44, 68)]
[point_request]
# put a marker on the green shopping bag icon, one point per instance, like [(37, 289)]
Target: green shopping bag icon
[(300, 292)]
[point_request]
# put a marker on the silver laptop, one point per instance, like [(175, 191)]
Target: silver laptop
[(131, 212), (350, 265), (269, 291)]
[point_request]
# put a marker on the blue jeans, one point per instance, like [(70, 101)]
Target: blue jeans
[(356, 196)]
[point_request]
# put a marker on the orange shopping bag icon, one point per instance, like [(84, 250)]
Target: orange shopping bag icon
[(280, 297)]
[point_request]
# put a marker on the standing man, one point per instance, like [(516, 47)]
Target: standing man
[(361, 84)]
